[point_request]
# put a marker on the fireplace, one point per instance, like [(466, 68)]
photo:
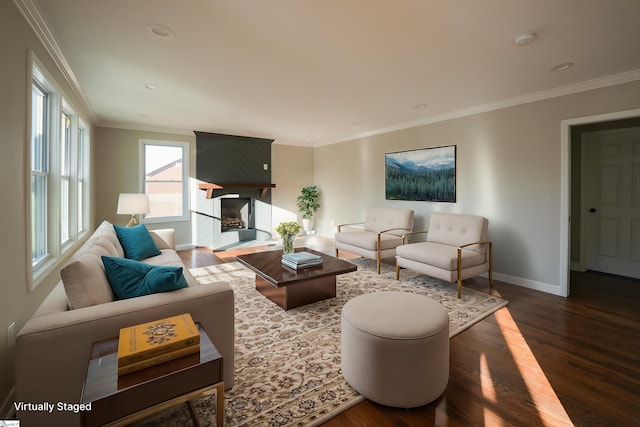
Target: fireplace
[(229, 217), (235, 214), (233, 204), (236, 218)]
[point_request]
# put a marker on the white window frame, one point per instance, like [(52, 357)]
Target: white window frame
[(39, 170), (60, 174), (83, 174), (184, 146), (66, 167)]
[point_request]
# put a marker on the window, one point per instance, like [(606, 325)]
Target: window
[(39, 172), (82, 175), (65, 177), (59, 147), (165, 177)]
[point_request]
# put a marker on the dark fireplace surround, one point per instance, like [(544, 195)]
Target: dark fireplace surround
[(234, 201)]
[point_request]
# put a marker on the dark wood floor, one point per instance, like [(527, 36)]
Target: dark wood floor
[(541, 361)]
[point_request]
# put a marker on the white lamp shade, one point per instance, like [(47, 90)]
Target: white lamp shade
[(133, 203)]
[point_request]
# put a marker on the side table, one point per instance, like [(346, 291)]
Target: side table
[(120, 400)]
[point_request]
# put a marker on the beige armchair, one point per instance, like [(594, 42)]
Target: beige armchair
[(456, 248), (379, 235)]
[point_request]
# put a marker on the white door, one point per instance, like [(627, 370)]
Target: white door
[(612, 190)]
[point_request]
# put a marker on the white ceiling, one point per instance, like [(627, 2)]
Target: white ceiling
[(315, 72)]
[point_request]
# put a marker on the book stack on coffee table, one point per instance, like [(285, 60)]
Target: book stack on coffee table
[(299, 260), (153, 343)]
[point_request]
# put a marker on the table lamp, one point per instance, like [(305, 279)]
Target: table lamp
[(133, 204)]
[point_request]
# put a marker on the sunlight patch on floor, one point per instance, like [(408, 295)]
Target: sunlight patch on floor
[(550, 409), (489, 394)]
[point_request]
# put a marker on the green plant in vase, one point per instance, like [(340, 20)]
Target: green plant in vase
[(308, 205), (288, 231)]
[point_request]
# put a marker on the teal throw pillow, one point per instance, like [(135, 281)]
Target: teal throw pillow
[(129, 278), (136, 242)]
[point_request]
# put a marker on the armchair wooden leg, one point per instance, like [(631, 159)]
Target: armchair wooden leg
[(378, 264), (397, 270), (337, 253)]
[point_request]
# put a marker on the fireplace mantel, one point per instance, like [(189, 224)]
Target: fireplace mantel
[(211, 187)]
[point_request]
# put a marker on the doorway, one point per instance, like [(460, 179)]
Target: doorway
[(610, 195), (571, 211)]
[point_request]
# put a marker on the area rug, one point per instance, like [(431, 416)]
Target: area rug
[(287, 364)]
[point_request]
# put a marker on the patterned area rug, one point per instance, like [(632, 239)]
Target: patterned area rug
[(288, 362)]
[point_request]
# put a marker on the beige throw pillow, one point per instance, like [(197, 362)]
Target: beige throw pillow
[(85, 281)]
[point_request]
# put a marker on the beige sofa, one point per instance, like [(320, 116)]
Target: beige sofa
[(52, 349)]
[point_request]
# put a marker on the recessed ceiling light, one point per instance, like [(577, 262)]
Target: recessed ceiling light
[(150, 86), (420, 106), (161, 31), (562, 67), (525, 38)]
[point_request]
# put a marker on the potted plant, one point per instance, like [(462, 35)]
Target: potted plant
[(308, 205)]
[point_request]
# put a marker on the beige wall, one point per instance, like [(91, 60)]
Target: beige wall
[(508, 169), (117, 170), (291, 169), (17, 303)]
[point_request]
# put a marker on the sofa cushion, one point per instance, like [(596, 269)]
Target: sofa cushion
[(136, 242), (458, 229), (83, 277), (439, 255), (85, 282), (130, 278), (380, 218), (368, 240)]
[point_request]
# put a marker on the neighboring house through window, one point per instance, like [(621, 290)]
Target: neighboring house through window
[(165, 178)]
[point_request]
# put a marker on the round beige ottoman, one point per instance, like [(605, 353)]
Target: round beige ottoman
[(395, 348)]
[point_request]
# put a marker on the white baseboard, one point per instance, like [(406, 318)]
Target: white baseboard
[(527, 283)]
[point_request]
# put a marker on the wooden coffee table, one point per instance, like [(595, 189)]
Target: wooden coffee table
[(120, 400), (292, 288)]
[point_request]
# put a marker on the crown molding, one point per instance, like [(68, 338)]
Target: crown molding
[(143, 128), (598, 83), (34, 18)]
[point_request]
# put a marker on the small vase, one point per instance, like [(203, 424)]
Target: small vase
[(287, 243)]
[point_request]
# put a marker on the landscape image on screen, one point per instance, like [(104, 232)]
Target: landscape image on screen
[(427, 174)]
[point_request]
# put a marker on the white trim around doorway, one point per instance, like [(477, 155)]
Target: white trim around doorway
[(565, 185)]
